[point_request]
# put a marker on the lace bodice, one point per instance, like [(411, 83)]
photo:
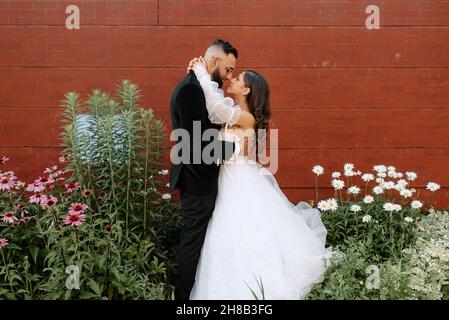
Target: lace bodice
[(242, 137)]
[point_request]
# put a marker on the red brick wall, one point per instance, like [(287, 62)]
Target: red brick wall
[(340, 93)]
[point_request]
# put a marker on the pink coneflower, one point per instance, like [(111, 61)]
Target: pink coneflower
[(9, 217), (77, 208), (44, 180), (102, 194), (72, 186), (35, 187), (21, 208), (6, 183), (4, 159), (10, 174), (50, 202), (3, 243), (25, 219), (51, 169), (75, 220), (56, 174), (38, 198), (88, 192), (63, 158)]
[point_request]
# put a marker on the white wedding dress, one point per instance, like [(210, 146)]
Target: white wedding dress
[(256, 238)]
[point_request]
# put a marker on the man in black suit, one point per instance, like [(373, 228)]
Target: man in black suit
[(196, 178)]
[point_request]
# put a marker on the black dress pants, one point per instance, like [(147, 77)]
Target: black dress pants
[(196, 211)]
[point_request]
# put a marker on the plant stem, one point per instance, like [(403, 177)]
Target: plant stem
[(7, 272), (147, 134), (111, 168)]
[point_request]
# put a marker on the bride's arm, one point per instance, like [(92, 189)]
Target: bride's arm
[(220, 109)]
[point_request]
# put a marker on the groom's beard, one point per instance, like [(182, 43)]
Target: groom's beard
[(216, 76)]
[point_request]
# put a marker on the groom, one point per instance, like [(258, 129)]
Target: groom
[(198, 182)]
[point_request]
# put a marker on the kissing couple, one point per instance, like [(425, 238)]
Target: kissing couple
[(241, 238)]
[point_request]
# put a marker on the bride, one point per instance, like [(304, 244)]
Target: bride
[(258, 244)]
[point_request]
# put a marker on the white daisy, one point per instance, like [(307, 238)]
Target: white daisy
[(358, 173), (391, 174), (354, 190), (166, 196), (397, 207), (318, 170), (432, 186), (349, 173), (402, 182), (368, 177), (336, 174), (380, 168), (356, 208), (323, 205), (366, 218), (163, 172), (411, 175), (408, 219), (382, 175), (378, 190), (338, 184), (391, 168), (406, 193), (389, 185), (416, 204), (348, 167), (400, 174), (388, 206), (380, 180), (368, 199), (332, 203)]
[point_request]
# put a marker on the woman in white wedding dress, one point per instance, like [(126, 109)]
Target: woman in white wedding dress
[(257, 244)]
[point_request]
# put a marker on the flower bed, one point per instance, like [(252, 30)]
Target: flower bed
[(103, 225)]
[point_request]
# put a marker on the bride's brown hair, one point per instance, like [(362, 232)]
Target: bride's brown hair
[(259, 104)]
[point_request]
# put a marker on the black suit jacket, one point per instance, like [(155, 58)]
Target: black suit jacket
[(188, 104)]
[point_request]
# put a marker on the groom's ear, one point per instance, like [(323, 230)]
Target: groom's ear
[(212, 63)]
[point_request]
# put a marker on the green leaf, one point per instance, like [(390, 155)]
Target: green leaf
[(34, 252), (95, 287), (67, 294), (117, 274)]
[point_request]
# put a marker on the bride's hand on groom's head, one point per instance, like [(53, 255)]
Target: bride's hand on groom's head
[(195, 61), (191, 64)]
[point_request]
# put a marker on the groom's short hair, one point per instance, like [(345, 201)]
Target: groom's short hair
[(226, 46)]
